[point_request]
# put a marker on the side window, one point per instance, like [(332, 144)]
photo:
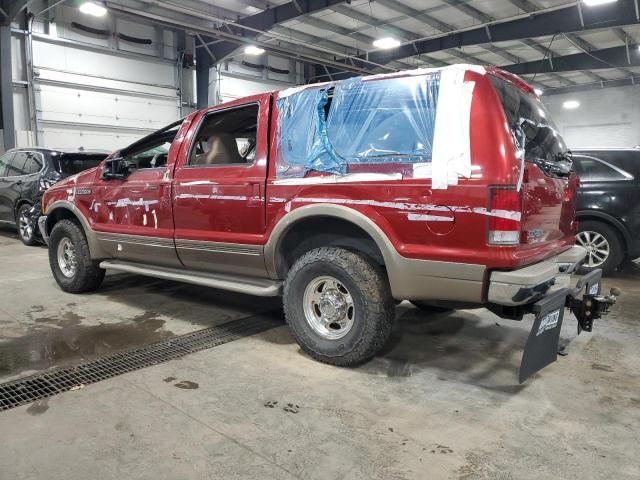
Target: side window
[(590, 169), (33, 163), (227, 137), (4, 163), (15, 167)]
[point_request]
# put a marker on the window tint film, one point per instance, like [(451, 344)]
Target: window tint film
[(542, 137), (16, 165), (33, 163), (4, 163), (227, 137), (590, 169), (70, 164)]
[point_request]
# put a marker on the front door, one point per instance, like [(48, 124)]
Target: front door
[(219, 190), (133, 217)]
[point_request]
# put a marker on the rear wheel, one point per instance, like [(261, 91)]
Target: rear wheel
[(26, 231), (604, 247), (338, 306), (71, 264)]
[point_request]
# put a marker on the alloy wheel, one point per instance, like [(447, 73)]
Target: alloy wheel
[(328, 307), (598, 248)]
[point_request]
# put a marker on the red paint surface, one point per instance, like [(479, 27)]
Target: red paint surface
[(246, 204)]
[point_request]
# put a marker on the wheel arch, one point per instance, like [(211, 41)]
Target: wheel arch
[(19, 203), (65, 210), (325, 223), (609, 220)]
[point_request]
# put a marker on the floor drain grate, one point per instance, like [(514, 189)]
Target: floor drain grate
[(51, 382)]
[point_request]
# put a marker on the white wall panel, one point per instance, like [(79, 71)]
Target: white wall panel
[(608, 117), (100, 100)]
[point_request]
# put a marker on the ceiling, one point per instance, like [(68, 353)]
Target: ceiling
[(555, 44)]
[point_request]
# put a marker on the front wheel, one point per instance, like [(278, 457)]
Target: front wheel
[(338, 306), (71, 264), (26, 232)]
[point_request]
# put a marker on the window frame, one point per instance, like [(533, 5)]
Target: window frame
[(35, 152), (187, 163), (627, 177)]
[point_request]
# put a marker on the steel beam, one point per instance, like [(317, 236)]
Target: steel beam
[(540, 24), (583, 87), (6, 89), (203, 66), (613, 57)]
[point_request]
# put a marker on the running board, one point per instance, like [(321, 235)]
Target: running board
[(234, 283)]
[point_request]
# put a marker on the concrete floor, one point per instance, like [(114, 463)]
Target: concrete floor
[(441, 402)]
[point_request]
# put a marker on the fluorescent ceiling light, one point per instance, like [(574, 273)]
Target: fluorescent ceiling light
[(594, 3), (571, 104), (386, 43), (538, 91), (91, 8), (253, 50)]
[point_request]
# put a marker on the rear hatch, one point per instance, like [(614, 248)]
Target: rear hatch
[(548, 183)]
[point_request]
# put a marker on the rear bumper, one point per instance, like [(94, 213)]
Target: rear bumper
[(529, 284)]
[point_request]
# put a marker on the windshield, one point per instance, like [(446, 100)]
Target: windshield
[(72, 163), (529, 118)]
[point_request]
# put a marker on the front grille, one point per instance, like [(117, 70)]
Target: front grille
[(51, 382)]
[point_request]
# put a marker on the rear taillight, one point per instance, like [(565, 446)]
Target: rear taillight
[(505, 207)]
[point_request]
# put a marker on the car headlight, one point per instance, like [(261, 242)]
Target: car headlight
[(45, 184)]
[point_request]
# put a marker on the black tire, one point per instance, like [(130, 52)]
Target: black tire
[(87, 275), (430, 308), (373, 313), (26, 233), (616, 247)]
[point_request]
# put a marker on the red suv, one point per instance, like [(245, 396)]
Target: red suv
[(446, 187)]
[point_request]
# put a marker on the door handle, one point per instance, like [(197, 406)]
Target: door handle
[(19, 182)]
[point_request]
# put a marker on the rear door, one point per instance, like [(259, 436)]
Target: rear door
[(608, 186), (219, 189), (7, 196)]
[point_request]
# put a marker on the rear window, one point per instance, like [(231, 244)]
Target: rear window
[(72, 163), (542, 138)]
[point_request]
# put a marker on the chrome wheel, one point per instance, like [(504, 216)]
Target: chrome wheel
[(67, 257), (598, 248), (24, 226), (328, 307)]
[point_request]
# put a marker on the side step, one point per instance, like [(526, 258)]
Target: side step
[(249, 285)]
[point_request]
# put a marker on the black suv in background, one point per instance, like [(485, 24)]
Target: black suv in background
[(25, 173), (608, 205)]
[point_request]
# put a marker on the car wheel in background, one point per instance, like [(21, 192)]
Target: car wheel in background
[(338, 306), (603, 244), (26, 232), (71, 264)]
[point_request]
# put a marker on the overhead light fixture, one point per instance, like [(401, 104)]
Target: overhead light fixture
[(538, 91), (386, 43), (595, 3), (93, 8), (571, 104), (253, 50)]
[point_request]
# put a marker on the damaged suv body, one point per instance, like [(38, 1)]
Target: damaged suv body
[(441, 186)]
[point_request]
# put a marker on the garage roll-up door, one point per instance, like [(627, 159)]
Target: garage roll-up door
[(100, 100)]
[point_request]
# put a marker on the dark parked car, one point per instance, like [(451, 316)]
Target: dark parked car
[(25, 173), (608, 206)]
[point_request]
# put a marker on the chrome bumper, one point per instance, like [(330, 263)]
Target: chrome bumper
[(42, 226), (529, 284)]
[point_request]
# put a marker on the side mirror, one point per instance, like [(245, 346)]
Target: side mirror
[(117, 169)]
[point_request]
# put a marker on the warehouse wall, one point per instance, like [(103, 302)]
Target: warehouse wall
[(96, 91), (607, 117), (233, 79)]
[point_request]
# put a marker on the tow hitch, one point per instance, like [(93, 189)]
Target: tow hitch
[(542, 344)]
